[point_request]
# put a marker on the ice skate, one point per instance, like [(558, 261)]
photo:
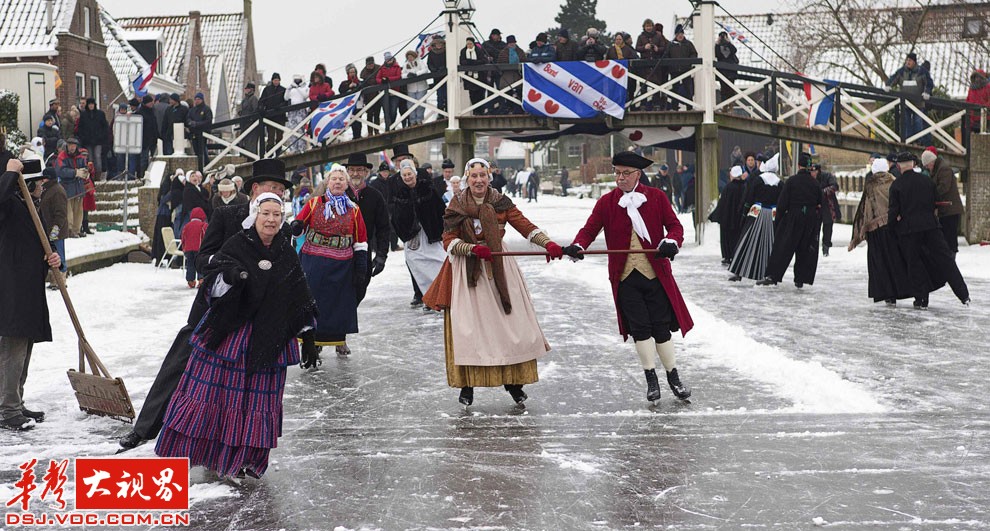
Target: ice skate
[(652, 385), (681, 391)]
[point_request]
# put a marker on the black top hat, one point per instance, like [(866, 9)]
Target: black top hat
[(267, 170), (628, 158), (447, 163), (804, 160), (32, 169), (401, 150), (358, 159)]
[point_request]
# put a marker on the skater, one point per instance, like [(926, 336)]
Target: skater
[(759, 208), (950, 206), (491, 333), (799, 218), (375, 213), (831, 212), (728, 213), (268, 176), (417, 217), (911, 214), (226, 414), (335, 259), (647, 300)]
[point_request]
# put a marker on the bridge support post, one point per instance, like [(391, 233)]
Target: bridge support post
[(977, 189), (705, 177), (459, 145)]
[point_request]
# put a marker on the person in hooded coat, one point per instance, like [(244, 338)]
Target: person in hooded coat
[(799, 219), (194, 195), (727, 213), (759, 210)]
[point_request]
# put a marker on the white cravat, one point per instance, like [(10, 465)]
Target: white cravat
[(631, 202)]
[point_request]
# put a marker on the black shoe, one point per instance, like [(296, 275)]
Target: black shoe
[(824, 251), (652, 385), (966, 302), (921, 304), (516, 392), (416, 301), (17, 423), (798, 285), (131, 440), (467, 396), (735, 278), (891, 302), (726, 261), (674, 381), (766, 282), (37, 416)]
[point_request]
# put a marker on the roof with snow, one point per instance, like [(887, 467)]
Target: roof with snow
[(124, 59), (766, 40), (24, 24), (222, 35)]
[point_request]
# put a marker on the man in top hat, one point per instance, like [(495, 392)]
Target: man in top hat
[(911, 215), (24, 306), (268, 175), (647, 300), (374, 210), (799, 218)]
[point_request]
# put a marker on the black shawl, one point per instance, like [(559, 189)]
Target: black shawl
[(276, 301), (415, 208)]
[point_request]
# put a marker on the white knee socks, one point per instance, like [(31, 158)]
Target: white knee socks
[(666, 352), (646, 350)]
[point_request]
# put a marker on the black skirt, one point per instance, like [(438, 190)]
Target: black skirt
[(888, 270)]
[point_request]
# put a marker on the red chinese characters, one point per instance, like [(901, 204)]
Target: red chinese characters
[(141, 484)]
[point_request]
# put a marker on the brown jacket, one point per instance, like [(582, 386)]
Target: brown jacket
[(946, 188), (510, 76), (873, 206), (54, 209)]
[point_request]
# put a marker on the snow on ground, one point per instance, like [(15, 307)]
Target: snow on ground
[(99, 242)]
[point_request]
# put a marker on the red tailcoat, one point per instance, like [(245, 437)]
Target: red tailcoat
[(661, 222)]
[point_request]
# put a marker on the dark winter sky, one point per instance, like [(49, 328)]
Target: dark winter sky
[(293, 35)]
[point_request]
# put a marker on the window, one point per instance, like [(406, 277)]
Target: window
[(94, 89), (80, 86), (86, 23), (973, 28), (574, 150)]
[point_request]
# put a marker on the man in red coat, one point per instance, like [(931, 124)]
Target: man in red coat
[(647, 300)]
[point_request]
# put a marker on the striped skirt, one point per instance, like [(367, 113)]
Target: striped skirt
[(755, 244), (221, 417)]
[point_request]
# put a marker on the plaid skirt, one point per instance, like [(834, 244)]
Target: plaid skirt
[(221, 417)]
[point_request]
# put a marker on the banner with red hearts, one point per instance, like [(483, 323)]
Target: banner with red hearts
[(575, 89)]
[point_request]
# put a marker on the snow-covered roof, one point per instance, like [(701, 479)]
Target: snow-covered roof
[(23, 25), (222, 35), (124, 59)]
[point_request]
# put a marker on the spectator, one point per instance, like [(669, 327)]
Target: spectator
[(565, 181), (473, 55), (272, 103), (498, 180), (620, 50), (979, 94), (247, 109), (390, 72), (193, 196), (663, 182), (50, 135), (493, 46), (72, 167), (296, 93), (93, 133), (192, 239), (198, 120), (369, 75), (352, 83), (592, 50), (177, 113), (227, 194), (830, 213), (322, 69), (149, 137), (651, 46), (917, 85), (725, 52), (681, 48), (54, 110), (417, 89), (532, 187), (567, 50), (512, 54), (543, 52), (53, 210), (436, 60), (175, 194), (160, 106)]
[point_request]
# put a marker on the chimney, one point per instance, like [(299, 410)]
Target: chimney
[(247, 11), (49, 11)]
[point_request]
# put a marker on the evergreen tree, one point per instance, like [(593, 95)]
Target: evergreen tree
[(579, 15)]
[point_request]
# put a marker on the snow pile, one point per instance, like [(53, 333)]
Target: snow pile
[(99, 242)]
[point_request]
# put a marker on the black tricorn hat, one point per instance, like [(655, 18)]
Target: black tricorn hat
[(358, 159), (628, 158), (267, 170)]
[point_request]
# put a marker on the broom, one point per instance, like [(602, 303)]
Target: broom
[(97, 392)]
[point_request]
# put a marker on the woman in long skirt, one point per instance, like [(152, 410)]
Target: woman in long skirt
[(334, 256), (417, 217), (753, 250), (491, 334), (226, 414)]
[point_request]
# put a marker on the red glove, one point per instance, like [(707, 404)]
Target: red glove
[(554, 251), (483, 252)]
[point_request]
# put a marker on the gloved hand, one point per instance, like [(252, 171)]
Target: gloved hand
[(360, 267), (926, 96), (554, 252), (483, 252), (667, 249), (53, 234), (378, 264), (81, 172), (310, 353), (297, 227), (574, 252), (234, 275)]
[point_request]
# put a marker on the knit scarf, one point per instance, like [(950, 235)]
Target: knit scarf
[(470, 53), (459, 218), (336, 203), (618, 51)]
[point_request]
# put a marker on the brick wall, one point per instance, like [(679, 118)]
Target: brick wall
[(977, 189)]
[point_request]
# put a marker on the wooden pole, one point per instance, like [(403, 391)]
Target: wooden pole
[(588, 252)]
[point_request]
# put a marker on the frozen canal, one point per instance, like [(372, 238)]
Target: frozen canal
[(811, 407)]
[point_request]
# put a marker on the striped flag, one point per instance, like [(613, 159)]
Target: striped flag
[(331, 117), (820, 111), (140, 84), (575, 89), (425, 40)]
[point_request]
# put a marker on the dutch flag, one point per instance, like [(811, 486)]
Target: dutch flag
[(820, 112), (140, 84)]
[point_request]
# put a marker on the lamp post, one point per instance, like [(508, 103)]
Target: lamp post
[(459, 144)]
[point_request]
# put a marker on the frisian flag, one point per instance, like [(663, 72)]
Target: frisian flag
[(733, 33), (425, 40), (575, 89), (331, 117)]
